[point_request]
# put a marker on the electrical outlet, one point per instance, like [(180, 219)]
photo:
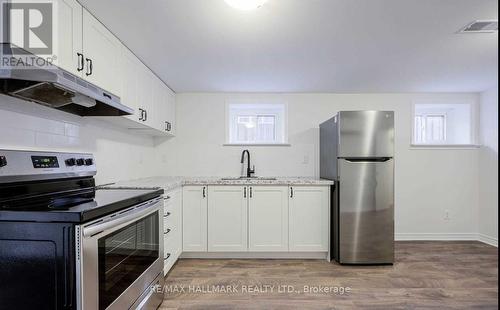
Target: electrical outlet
[(447, 215)]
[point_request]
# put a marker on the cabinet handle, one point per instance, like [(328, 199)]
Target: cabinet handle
[(166, 198), (167, 257), (144, 115), (167, 231), (81, 62), (90, 67), (204, 192), (251, 192), (107, 96), (167, 214), (141, 114), (291, 192), (168, 126), (244, 192)]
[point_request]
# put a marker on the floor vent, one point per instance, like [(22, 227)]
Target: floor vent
[(481, 26)]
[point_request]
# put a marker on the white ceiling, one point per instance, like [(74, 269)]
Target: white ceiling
[(309, 45)]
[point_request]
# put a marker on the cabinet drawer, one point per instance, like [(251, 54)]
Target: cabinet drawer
[(168, 220), (169, 242), (167, 201)]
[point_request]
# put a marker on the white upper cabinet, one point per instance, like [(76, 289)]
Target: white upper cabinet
[(309, 218), (69, 54), (131, 67), (268, 219), (165, 110), (87, 49), (194, 218), (148, 89), (171, 110), (101, 50), (227, 218)]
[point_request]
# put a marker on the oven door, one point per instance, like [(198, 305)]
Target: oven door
[(120, 257)]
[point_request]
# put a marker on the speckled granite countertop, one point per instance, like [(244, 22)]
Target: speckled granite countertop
[(170, 183)]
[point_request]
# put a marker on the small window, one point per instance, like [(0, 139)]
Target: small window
[(443, 124), (257, 123)]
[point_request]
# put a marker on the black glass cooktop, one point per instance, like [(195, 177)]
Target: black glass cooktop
[(81, 207)]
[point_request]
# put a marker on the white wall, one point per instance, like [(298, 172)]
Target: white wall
[(488, 167), (429, 183), (119, 155)]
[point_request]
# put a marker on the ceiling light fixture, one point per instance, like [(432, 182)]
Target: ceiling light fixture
[(246, 5)]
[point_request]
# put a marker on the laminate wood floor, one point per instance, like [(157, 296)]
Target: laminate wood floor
[(427, 275)]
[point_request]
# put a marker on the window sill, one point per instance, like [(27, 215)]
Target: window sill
[(256, 144), (444, 146)]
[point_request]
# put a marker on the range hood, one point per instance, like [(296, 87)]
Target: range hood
[(53, 87)]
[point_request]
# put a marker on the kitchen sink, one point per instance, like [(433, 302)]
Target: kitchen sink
[(248, 178)]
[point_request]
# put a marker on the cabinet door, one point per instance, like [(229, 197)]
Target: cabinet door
[(171, 111), (164, 108), (147, 87), (69, 31), (194, 219), (159, 104), (268, 219), (102, 51), (130, 83), (227, 218), (309, 218)]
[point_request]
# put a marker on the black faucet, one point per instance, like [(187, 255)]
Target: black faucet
[(249, 170)]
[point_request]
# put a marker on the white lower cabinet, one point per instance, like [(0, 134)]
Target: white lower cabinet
[(268, 219), (194, 219), (227, 218), (262, 218), (172, 228), (309, 218)]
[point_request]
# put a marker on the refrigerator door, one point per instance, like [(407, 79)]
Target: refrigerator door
[(366, 211), (366, 134)]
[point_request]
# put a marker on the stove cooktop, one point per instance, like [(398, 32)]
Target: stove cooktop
[(81, 208)]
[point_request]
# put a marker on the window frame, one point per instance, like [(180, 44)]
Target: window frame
[(281, 127), (473, 118), (425, 116)]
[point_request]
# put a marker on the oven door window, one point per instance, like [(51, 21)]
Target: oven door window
[(124, 255)]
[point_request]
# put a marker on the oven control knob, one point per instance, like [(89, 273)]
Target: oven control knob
[(3, 161), (80, 162), (89, 162), (70, 162)]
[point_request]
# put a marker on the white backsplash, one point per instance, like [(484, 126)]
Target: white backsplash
[(120, 155)]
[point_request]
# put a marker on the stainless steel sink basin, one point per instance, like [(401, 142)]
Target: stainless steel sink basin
[(248, 179)]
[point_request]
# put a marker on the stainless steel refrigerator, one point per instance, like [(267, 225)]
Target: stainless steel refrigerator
[(357, 152)]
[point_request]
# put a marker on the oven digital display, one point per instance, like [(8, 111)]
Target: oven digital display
[(45, 162)]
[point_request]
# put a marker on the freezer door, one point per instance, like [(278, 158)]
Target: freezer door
[(366, 211), (366, 134)]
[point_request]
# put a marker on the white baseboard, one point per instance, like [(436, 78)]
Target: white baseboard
[(488, 240), (255, 255), (436, 237), (447, 237)]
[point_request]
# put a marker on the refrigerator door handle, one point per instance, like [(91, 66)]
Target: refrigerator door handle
[(368, 160)]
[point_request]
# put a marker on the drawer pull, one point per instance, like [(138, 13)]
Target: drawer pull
[(167, 231), (167, 257), (167, 214)]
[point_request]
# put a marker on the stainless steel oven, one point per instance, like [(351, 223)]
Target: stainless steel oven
[(120, 258)]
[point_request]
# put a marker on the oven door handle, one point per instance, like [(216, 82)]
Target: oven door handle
[(130, 215)]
